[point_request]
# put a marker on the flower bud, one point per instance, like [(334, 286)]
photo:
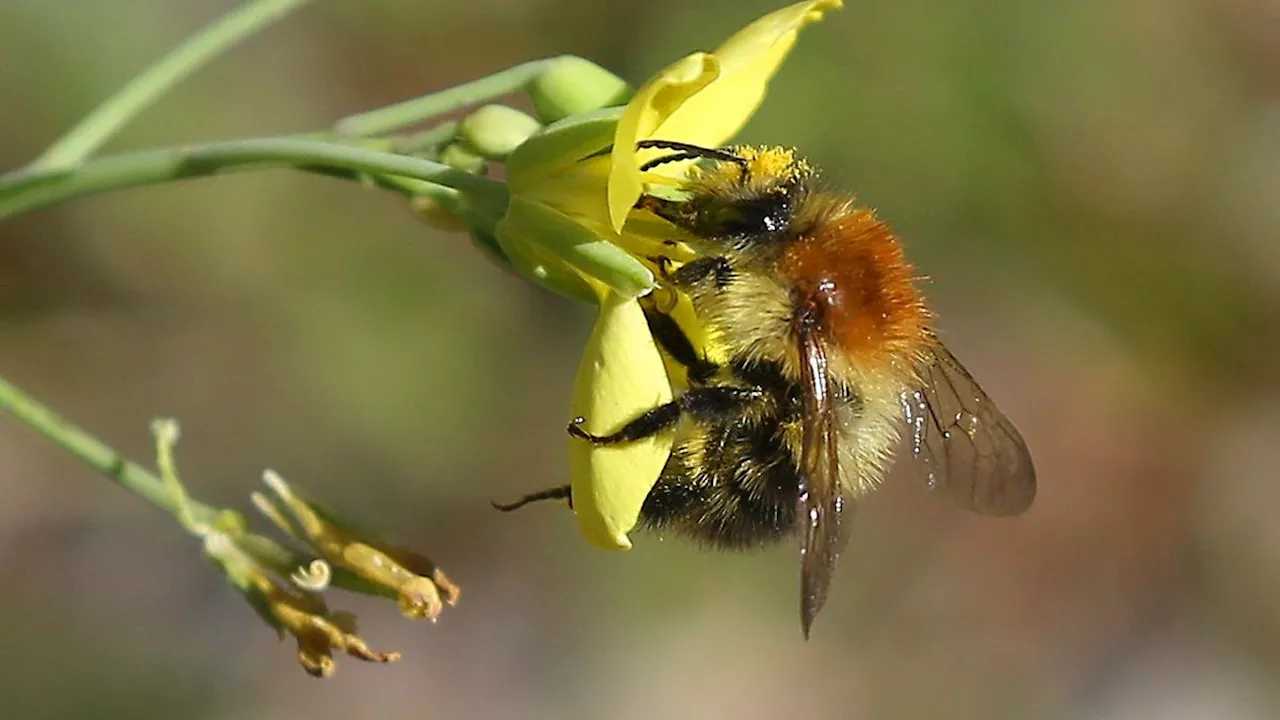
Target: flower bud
[(456, 155), (571, 85), (494, 131)]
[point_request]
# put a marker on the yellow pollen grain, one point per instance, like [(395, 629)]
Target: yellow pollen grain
[(773, 162)]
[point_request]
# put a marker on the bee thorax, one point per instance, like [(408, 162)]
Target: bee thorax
[(851, 271)]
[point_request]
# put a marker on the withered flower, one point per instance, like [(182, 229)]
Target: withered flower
[(304, 615), (420, 586)]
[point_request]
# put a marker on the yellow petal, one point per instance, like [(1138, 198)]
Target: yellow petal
[(748, 60), (579, 192), (653, 103), (705, 99), (621, 376)]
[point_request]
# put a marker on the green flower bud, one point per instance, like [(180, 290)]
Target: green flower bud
[(572, 85), (494, 131), (462, 158)]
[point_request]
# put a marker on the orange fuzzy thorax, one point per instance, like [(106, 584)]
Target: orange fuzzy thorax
[(854, 269)]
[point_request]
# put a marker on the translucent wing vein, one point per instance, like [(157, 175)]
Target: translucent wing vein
[(821, 506), (963, 446)]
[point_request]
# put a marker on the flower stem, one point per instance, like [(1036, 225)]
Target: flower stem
[(96, 454), (28, 189), (140, 93), (426, 140), (411, 112), (195, 516)]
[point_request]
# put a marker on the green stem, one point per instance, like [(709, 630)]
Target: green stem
[(108, 118), (96, 454), (142, 482), (409, 187), (28, 189), (411, 112), (426, 140)]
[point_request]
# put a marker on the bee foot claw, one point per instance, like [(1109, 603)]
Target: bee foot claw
[(575, 429)]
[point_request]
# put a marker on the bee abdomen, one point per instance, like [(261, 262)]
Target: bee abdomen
[(727, 487)]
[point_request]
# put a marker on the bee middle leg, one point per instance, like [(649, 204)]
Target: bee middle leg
[(707, 402)]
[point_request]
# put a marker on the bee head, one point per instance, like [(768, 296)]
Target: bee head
[(739, 195)]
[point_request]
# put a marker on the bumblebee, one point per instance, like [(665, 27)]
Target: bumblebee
[(827, 354)]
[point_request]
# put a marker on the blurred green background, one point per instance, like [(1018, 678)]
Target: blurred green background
[(1092, 187)]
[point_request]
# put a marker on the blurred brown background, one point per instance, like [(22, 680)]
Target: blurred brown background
[(1093, 187)]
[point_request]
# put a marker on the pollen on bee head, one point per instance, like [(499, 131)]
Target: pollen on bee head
[(774, 162), (763, 170)]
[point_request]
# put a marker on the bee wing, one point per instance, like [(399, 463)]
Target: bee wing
[(962, 444), (820, 505)]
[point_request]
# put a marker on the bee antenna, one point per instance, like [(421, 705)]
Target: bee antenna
[(687, 152), (674, 157)]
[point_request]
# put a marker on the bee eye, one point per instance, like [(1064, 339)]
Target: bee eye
[(757, 216)]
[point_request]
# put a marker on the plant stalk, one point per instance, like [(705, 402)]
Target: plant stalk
[(29, 189), (107, 119), (96, 454)]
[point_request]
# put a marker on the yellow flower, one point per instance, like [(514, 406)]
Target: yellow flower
[(567, 179), (704, 98), (573, 186)]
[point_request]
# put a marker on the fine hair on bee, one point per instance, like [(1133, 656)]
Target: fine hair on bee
[(820, 354)]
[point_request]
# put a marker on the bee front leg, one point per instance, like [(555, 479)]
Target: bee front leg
[(695, 271), (671, 338), (699, 402), (717, 269)]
